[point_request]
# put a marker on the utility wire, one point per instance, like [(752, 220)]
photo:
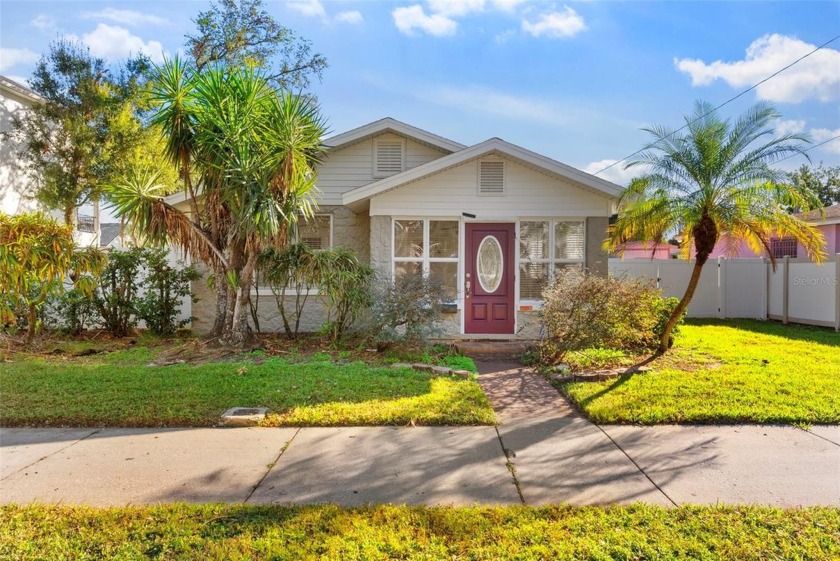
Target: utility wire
[(809, 148), (727, 102)]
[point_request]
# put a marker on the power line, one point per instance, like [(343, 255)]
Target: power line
[(809, 148), (727, 102)]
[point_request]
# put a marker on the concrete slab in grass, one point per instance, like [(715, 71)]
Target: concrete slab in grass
[(572, 461), (828, 432), (23, 447), (141, 466), (773, 465), (416, 465)]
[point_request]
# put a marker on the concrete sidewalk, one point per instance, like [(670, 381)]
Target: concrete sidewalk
[(542, 452)]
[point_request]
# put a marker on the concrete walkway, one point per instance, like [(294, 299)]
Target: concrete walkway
[(542, 452)]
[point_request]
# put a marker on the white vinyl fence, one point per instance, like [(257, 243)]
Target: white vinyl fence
[(797, 291)]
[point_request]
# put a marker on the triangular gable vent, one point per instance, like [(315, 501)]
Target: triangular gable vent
[(491, 178), (389, 157)]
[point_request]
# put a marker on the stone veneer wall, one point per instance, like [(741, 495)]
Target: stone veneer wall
[(350, 230)]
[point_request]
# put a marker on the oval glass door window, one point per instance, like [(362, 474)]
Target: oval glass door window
[(489, 264)]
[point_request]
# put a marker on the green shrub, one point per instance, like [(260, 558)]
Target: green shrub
[(406, 309), (345, 288), (117, 290), (291, 271), (165, 286), (71, 312), (583, 311)]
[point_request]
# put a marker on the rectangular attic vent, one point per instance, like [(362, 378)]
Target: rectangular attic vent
[(389, 158), (491, 179)]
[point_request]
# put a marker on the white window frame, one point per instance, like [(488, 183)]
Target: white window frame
[(426, 260), (550, 260), (376, 143)]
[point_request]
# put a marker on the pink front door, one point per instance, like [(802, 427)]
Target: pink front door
[(489, 279)]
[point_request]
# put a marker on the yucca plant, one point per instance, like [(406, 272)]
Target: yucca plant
[(252, 151), (715, 177)]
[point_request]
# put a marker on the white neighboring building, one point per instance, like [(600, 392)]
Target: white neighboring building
[(17, 193)]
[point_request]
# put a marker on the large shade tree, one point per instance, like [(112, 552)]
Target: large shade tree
[(712, 177), (85, 127), (246, 152)]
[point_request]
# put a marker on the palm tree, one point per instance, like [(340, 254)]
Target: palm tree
[(713, 178), (253, 150)]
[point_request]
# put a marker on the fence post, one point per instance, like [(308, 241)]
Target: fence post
[(837, 292), (765, 312), (721, 288), (785, 285)]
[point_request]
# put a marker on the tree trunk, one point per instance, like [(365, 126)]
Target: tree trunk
[(221, 304), (240, 334), (31, 319), (705, 237)]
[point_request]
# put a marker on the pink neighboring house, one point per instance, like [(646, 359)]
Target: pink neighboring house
[(829, 226), (649, 250)]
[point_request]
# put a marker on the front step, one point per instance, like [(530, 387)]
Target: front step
[(490, 347)]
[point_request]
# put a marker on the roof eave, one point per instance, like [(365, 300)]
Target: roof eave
[(493, 146)]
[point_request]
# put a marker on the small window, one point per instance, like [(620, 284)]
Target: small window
[(388, 158), (316, 232), (784, 247), (491, 177), (85, 223)]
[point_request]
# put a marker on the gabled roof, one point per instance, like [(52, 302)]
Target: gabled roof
[(827, 215), (494, 146), (392, 125)]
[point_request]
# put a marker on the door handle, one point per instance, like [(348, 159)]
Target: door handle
[(467, 286)]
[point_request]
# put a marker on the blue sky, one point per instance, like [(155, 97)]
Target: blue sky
[(572, 80)]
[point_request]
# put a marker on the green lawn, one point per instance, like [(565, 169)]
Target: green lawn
[(727, 372), (119, 389), (393, 532)]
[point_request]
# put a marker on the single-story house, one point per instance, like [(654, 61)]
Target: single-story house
[(494, 221), (648, 250)]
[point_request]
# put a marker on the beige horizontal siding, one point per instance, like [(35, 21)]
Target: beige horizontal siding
[(352, 167), (527, 193)]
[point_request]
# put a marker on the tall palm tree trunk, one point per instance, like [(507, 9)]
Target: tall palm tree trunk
[(705, 237)]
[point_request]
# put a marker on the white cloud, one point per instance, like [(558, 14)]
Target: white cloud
[(816, 77), (616, 174), (508, 5), (112, 42), (789, 127), (409, 19), (126, 17), (486, 100), (312, 8), (13, 57), (566, 23), (352, 17), (821, 135), (44, 23), (504, 36), (455, 7)]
